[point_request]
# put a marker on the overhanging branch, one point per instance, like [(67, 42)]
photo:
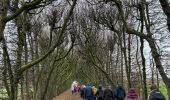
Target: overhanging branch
[(29, 65), (23, 8)]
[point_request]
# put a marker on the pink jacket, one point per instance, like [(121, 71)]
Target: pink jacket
[(132, 95), (77, 88)]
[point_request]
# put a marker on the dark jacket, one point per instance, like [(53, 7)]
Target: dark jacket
[(120, 93), (82, 92), (156, 95), (108, 94), (99, 93)]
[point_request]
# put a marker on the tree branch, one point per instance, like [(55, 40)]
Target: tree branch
[(29, 65), (166, 8), (20, 10)]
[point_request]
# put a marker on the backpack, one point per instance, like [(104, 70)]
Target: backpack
[(101, 93), (88, 92), (109, 93), (120, 94)]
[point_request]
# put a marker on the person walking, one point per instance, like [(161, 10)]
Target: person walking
[(132, 94), (94, 90), (100, 93), (108, 94), (73, 86), (88, 93), (82, 92), (120, 93), (155, 94), (77, 88)]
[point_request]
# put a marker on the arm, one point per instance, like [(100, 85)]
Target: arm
[(124, 93), (85, 93), (97, 93), (113, 95)]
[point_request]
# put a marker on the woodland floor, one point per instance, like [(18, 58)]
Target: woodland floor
[(67, 95)]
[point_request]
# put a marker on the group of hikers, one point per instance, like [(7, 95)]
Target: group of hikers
[(90, 92)]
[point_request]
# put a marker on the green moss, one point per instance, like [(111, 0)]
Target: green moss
[(164, 91)]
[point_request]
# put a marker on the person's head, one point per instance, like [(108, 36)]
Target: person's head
[(154, 87), (83, 86), (100, 87), (132, 90), (74, 81), (108, 87), (119, 86), (89, 85)]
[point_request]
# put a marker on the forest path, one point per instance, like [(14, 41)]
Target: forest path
[(67, 95)]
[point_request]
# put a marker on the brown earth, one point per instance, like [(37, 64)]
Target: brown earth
[(67, 95)]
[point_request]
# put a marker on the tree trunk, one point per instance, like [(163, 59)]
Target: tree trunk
[(22, 88), (117, 74), (166, 9), (126, 62), (26, 73), (140, 73), (129, 60), (14, 88), (9, 68), (144, 70), (3, 13), (5, 72), (122, 75), (2, 27), (122, 52), (152, 69), (157, 77)]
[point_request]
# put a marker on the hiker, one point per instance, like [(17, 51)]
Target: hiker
[(132, 94), (120, 93), (108, 94), (73, 86), (77, 88), (88, 93), (94, 90), (99, 93), (82, 91), (155, 94)]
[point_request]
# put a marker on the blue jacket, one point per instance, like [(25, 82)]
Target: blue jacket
[(88, 92), (120, 92)]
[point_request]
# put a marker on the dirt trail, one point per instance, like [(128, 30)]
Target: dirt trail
[(67, 95)]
